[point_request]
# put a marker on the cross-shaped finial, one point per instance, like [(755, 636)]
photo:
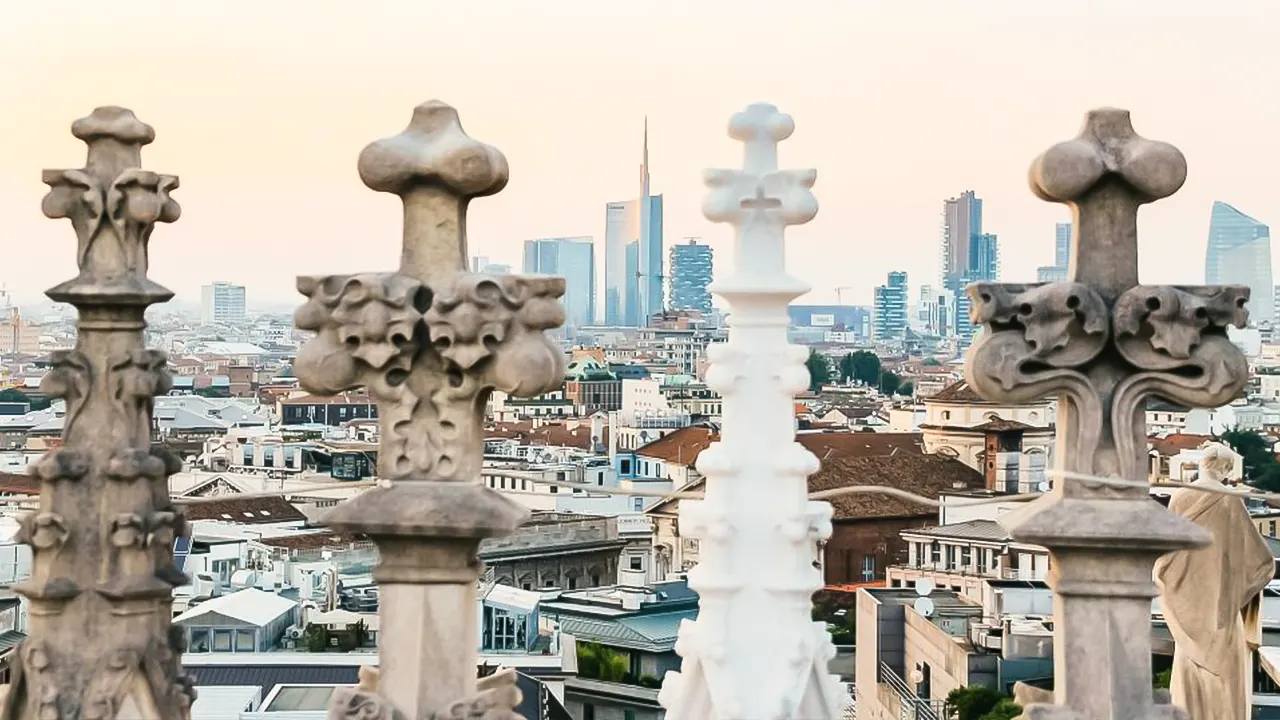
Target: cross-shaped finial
[(436, 169), (1104, 175)]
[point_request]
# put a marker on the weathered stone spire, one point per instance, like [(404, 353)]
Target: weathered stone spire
[(1103, 345), (429, 342), (100, 644)]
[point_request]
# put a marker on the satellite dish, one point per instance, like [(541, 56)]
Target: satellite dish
[(923, 605)]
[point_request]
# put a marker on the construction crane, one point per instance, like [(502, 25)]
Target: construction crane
[(840, 293)]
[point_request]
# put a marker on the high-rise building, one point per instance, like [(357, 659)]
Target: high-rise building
[(1239, 253), (633, 278), (222, 303), (889, 308), (1057, 272), (968, 254), (572, 258), (1062, 244), (691, 272)]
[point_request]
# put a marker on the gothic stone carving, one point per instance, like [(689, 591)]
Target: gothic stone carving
[(103, 573), (429, 342), (1103, 344)]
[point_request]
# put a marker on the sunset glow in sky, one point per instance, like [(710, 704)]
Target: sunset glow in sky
[(261, 107)]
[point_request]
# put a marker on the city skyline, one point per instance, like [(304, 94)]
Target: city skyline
[(231, 99)]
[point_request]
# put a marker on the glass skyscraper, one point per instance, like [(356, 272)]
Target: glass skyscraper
[(633, 275), (572, 258), (889, 311), (691, 273), (968, 254), (1239, 253)]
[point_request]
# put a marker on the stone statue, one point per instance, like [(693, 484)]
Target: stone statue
[(1215, 625)]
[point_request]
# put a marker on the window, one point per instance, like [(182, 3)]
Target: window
[(946, 414), (637, 504), (595, 580), (199, 641), (245, 641), (868, 568), (222, 640), (1272, 527), (950, 551), (637, 562), (624, 467), (966, 557), (936, 554), (588, 711), (573, 582), (628, 715), (982, 559)]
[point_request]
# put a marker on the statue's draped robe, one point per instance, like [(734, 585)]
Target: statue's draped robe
[(1212, 599)]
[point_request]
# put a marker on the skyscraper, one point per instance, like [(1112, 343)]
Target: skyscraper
[(1239, 253), (572, 258), (222, 302), (968, 255), (633, 254), (889, 309), (1057, 272), (691, 273), (1062, 244)]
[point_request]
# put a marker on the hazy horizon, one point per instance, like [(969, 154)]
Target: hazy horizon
[(262, 109)]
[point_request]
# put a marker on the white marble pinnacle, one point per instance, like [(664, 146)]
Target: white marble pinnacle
[(757, 528)]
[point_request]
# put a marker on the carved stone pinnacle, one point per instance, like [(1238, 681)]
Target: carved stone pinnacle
[(102, 541), (1103, 345), (436, 168), (429, 342)]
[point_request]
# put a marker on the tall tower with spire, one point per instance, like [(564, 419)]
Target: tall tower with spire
[(633, 275)]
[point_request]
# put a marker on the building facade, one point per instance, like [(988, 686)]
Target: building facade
[(572, 258), (222, 303), (1239, 253), (691, 274)]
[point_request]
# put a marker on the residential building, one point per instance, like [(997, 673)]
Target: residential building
[(1011, 445), (633, 625), (304, 408), (889, 321), (222, 303), (572, 258), (691, 272), (632, 272), (1239, 253)]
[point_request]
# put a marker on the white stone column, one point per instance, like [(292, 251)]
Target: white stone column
[(754, 652)]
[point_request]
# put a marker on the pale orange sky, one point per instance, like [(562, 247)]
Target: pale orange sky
[(262, 106)]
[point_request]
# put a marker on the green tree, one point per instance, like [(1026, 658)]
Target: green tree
[(889, 383), (1004, 710), (598, 662), (819, 370), (1161, 680), (315, 639), (13, 395), (1260, 464), (906, 388), (973, 702), (865, 367)]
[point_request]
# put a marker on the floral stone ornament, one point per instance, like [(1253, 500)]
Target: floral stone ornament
[(100, 644), (429, 342)]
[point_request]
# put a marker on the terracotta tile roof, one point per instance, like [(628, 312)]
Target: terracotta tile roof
[(347, 398), (18, 484), (860, 444), (682, 446), (245, 511), (313, 541), (956, 392), (548, 435), (829, 447), (925, 475), (1171, 445)]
